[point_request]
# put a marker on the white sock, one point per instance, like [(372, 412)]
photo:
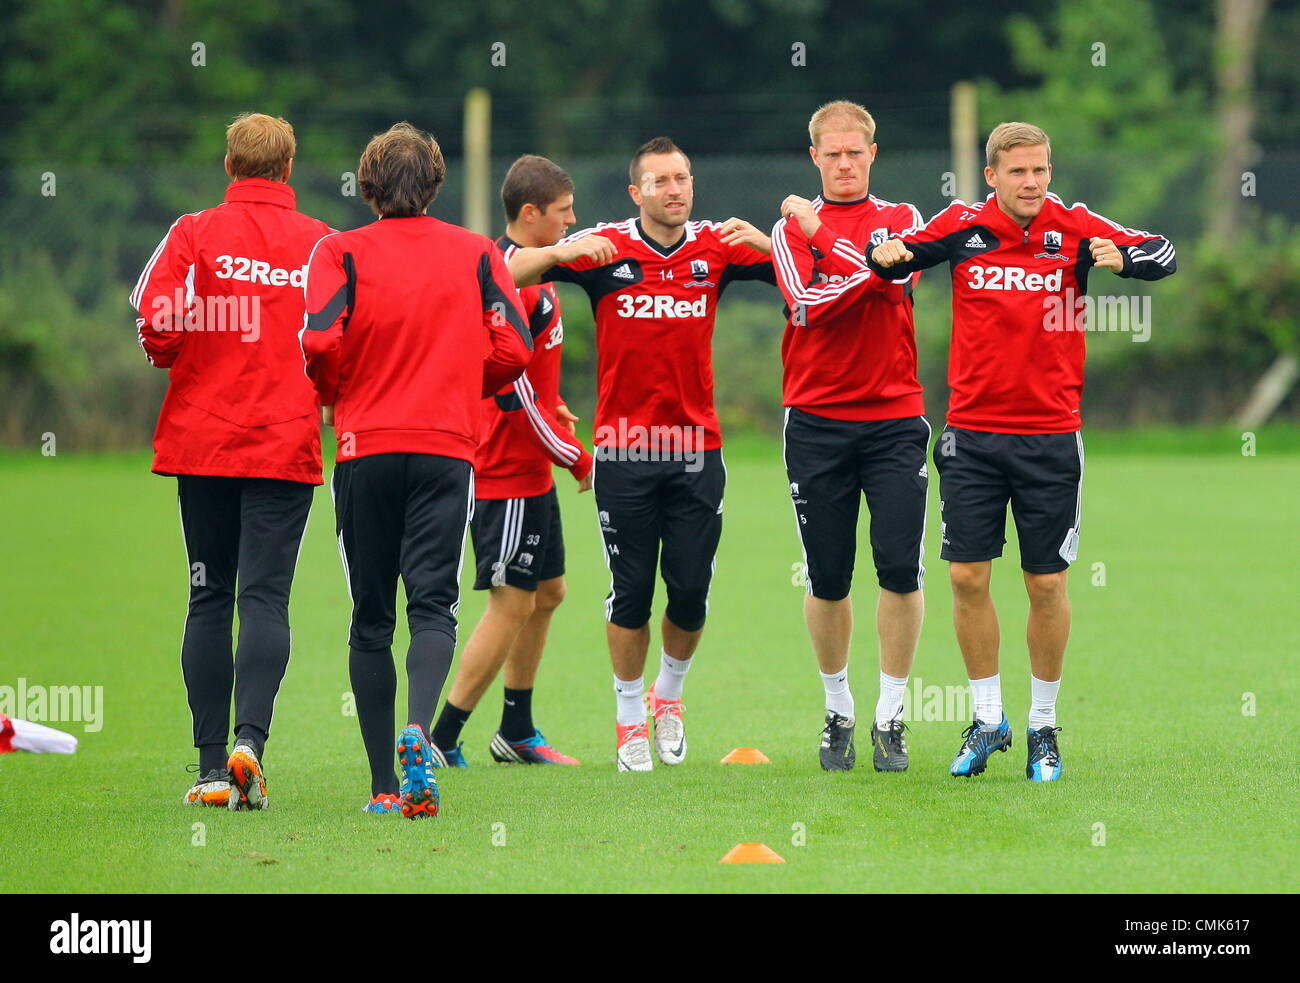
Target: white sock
[(890, 704), (988, 699), (672, 673), (838, 697), (631, 695), (1042, 703)]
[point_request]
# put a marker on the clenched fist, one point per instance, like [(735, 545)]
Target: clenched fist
[(802, 211), (891, 252), (1106, 254)]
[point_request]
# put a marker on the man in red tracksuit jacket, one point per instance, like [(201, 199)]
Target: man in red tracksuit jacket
[(220, 304), (518, 538), (854, 425), (1020, 261), (410, 323)]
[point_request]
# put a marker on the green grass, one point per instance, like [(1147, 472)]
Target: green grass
[(1198, 608)]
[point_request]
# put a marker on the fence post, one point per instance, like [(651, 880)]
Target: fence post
[(964, 133), (478, 160)]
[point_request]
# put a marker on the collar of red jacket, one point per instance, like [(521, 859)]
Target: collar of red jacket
[(260, 189)]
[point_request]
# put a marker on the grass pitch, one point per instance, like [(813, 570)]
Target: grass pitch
[(1178, 707)]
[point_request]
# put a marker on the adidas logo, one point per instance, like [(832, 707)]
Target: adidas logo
[(924, 472), (975, 242), (624, 272)]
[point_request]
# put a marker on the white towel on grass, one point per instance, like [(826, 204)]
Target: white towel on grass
[(22, 735)]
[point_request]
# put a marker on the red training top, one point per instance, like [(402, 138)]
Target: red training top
[(520, 436), (654, 308), (1018, 311), (849, 348), (410, 323), (220, 304)]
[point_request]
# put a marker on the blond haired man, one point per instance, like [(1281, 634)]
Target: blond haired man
[(854, 424), (220, 304), (1020, 261)]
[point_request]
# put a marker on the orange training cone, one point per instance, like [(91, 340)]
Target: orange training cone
[(746, 756), (752, 853)]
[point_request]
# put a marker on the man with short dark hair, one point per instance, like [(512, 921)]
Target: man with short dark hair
[(654, 282), (220, 305), (518, 538), (400, 314)]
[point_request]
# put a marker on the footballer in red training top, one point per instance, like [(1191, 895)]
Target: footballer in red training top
[(654, 283), (854, 425), (1020, 262), (518, 538), (410, 323), (220, 304)]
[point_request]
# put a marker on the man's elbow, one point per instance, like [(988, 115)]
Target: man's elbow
[(520, 358)]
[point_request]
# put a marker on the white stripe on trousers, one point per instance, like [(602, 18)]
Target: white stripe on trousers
[(925, 513), (798, 527), (609, 601)]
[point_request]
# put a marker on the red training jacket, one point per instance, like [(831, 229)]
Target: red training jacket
[(849, 349), (410, 323), (1016, 363), (520, 436), (219, 304)]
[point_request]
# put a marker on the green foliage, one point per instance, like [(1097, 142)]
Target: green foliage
[(1130, 105), (67, 368), (1253, 293), (747, 362)]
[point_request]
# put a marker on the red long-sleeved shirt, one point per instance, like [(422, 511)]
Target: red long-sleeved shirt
[(1016, 363), (410, 323), (220, 304), (655, 310), (520, 435), (849, 350)]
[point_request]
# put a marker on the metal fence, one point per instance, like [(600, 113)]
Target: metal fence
[(76, 238)]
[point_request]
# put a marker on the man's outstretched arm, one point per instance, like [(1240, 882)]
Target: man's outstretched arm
[(529, 264)]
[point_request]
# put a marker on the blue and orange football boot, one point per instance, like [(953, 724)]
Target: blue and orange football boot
[(419, 795), (385, 803)]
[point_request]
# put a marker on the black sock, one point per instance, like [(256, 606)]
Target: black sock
[(251, 735), (212, 757), (374, 687), (517, 715), (428, 661), (446, 732)]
